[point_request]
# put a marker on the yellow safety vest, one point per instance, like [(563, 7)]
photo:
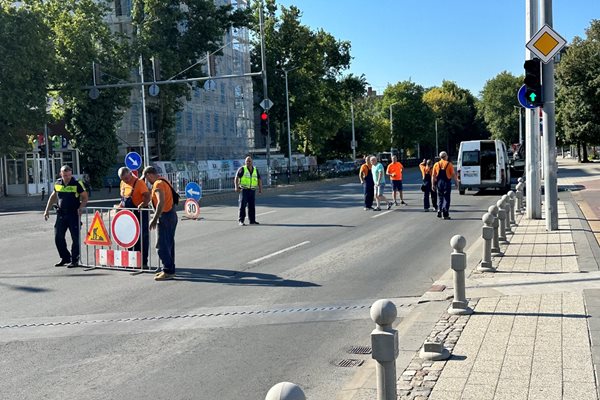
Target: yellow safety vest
[(249, 181)]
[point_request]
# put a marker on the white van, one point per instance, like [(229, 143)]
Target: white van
[(483, 164)]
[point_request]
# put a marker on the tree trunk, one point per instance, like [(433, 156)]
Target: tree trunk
[(585, 153)]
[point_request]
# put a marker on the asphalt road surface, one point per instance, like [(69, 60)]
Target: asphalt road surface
[(251, 306)]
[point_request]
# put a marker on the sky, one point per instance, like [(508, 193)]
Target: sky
[(428, 41)]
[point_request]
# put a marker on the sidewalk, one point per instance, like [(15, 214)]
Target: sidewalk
[(535, 333)]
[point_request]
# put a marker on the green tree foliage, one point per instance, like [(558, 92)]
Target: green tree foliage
[(179, 34), (498, 102), (316, 89), (456, 111), (578, 89), (81, 36), (26, 66), (411, 116)]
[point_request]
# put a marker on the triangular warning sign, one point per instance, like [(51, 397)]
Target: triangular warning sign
[(97, 234)]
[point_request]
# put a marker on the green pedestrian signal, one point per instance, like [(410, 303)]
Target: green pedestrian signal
[(533, 82)]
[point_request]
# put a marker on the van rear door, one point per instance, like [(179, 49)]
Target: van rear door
[(470, 171)]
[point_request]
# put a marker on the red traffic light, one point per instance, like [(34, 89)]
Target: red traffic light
[(264, 116)]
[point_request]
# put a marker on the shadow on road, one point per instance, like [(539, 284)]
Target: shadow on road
[(231, 277)]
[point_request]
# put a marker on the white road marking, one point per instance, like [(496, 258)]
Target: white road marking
[(379, 214), (266, 212), (278, 252)]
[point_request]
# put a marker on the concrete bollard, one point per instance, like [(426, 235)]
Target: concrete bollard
[(487, 233), (494, 210), (506, 206), (519, 194), (512, 201), (285, 391), (384, 344), (501, 220), (458, 263), (434, 351)]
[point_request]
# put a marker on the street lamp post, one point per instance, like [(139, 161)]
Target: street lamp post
[(437, 150), (520, 125), (392, 127), (289, 135)]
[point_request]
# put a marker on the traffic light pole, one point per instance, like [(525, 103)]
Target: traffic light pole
[(145, 117), (265, 91), (532, 137), (550, 173)]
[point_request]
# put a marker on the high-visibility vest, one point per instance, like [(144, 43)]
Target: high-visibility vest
[(249, 181)]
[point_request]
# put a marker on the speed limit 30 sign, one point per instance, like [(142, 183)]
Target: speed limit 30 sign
[(192, 209)]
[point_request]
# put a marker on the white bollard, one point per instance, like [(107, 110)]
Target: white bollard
[(487, 233), (285, 391), (384, 344), (494, 210), (458, 263), (519, 188), (512, 202), (506, 206), (501, 220)]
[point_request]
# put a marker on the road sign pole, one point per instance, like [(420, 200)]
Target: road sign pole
[(550, 179), (144, 115), (532, 137), (265, 91)]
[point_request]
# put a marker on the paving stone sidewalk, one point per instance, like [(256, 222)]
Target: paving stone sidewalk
[(527, 346)]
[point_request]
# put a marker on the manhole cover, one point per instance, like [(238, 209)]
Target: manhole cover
[(359, 350), (350, 362)]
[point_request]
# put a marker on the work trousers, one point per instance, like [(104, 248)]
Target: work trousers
[(247, 198), (143, 243), (444, 188), (167, 223), (427, 194), (67, 221)]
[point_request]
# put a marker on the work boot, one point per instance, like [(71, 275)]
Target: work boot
[(163, 276), (61, 263)]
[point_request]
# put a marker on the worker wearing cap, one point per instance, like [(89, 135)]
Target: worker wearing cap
[(165, 219)]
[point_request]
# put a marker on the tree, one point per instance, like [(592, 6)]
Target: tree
[(26, 60), (179, 34), (316, 96), (455, 109), (498, 102), (578, 90), (411, 116), (81, 36)]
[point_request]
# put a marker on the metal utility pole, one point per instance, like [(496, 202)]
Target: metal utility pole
[(520, 124), (144, 115), (265, 91), (550, 180), (353, 135), (287, 105), (532, 137), (437, 150)]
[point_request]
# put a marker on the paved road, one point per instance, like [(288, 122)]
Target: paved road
[(252, 305)]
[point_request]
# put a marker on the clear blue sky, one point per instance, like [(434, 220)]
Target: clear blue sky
[(427, 41)]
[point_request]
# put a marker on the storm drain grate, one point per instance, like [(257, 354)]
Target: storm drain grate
[(359, 350), (350, 362)]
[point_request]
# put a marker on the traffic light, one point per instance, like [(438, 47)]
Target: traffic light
[(264, 123), (533, 82)]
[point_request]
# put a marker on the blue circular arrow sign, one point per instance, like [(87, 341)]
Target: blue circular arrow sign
[(133, 161), (193, 191), (522, 99)]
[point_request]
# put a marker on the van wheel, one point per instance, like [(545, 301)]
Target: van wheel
[(461, 191)]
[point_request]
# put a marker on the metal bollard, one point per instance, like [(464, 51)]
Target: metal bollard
[(384, 344), (506, 206), (285, 391), (494, 210), (502, 220), (458, 263), (512, 201), (487, 233)]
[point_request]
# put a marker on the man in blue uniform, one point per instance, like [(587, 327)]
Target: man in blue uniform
[(72, 199)]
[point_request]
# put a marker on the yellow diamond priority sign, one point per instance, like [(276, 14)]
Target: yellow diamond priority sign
[(546, 43)]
